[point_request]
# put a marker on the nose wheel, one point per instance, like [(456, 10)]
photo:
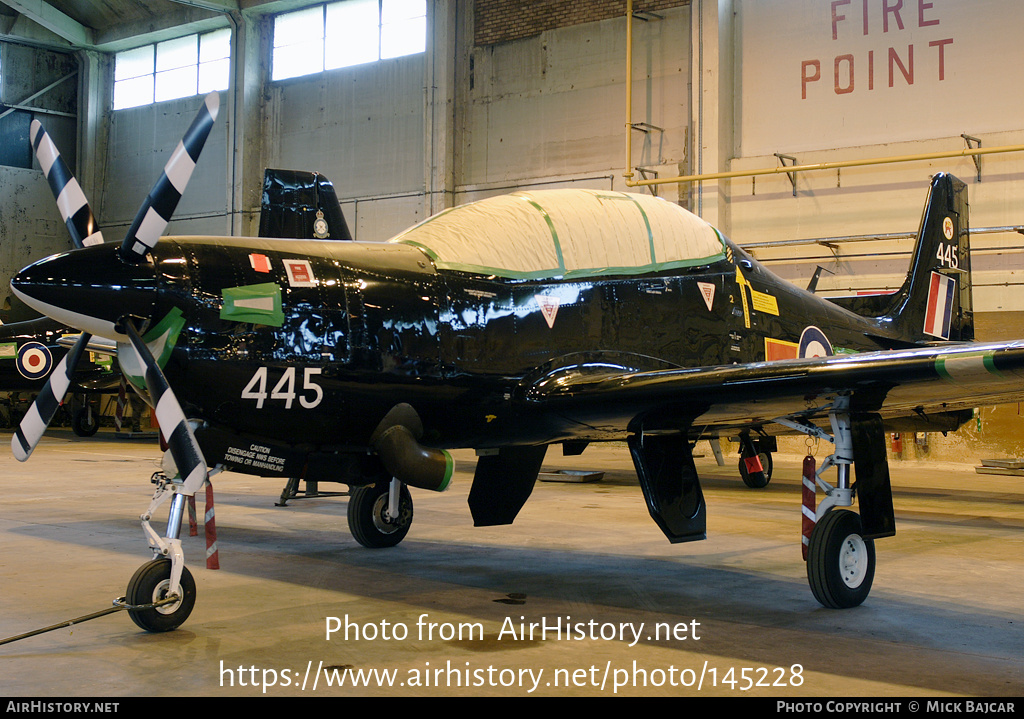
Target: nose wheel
[(149, 585)]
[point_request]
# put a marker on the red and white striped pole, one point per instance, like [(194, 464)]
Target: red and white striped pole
[(809, 502), (212, 557), (122, 400)]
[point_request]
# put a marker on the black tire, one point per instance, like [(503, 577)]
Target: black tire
[(367, 515), (150, 584), (840, 562), (766, 463), (85, 423)]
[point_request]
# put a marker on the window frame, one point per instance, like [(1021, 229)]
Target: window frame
[(150, 78), (300, 48)]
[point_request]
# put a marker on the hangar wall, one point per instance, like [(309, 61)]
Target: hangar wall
[(872, 79), (139, 142), (551, 108), (534, 107), (26, 233), (362, 127), (500, 102)]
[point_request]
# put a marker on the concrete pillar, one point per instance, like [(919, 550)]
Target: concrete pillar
[(712, 105), (94, 92), (244, 109), (439, 110)]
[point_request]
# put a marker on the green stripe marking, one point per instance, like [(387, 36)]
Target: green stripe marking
[(970, 366), (551, 229), (259, 304)]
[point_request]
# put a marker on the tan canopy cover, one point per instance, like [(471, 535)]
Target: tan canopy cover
[(566, 233)]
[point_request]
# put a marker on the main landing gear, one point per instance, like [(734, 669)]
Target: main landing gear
[(840, 562), (756, 463), (380, 514), (840, 552), (85, 423)]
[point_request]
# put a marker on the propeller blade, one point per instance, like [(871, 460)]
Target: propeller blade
[(71, 201), (175, 428), (152, 218), (40, 414)]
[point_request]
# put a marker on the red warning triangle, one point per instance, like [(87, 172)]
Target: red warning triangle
[(707, 291), (548, 307)]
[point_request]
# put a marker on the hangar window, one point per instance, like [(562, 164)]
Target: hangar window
[(343, 34), (185, 66)]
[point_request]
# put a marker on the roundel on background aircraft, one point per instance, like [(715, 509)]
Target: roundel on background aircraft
[(34, 360), (814, 343)]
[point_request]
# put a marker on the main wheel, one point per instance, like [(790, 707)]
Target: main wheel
[(766, 464), (840, 562), (85, 423), (368, 517), (150, 584)]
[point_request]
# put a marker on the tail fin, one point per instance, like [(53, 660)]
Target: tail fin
[(936, 300), (302, 205)]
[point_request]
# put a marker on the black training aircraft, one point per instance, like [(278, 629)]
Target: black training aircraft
[(29, 351), (507, 325)]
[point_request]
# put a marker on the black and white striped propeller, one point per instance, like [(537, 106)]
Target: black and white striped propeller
[(149, 224), (82, 226), (41, 413), (152, 218), (74, 207)]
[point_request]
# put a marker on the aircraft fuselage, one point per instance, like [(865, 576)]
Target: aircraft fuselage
[(363, 326)]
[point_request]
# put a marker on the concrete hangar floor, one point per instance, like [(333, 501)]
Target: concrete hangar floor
[(612, 606)]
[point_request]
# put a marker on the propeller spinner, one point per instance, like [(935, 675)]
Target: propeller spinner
[(91, 289)]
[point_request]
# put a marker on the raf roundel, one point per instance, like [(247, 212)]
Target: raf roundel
[(34, 360), (814, 343)]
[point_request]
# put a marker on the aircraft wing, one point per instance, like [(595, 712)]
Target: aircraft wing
[(894, 383)]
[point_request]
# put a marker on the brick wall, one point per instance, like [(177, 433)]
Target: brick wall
[(498, 21)]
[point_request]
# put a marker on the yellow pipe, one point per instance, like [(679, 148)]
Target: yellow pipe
[(629, 93), (966, 152)]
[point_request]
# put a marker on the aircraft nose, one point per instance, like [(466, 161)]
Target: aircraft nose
[(89, 289)]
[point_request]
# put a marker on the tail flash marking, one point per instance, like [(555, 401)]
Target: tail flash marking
[(939, 314)]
